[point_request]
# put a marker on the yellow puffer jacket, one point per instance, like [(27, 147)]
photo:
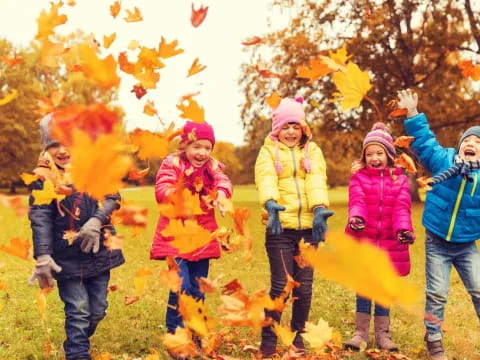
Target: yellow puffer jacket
[(294, 188)]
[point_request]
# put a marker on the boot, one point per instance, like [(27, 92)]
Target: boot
[(435, 349), (362, 322), (382, 333), (299, 344), (266, 351)]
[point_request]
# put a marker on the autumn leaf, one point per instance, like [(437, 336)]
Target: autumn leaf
[(198, 15), (166, 50), (317, 335), (124, 64), (180, 343), (106, 153), (264, 72), (50, 104), (469, 70), (404, 141), (149, 58), (18, 248), (139, 91), (170, 276), (130, 215), (41, 300), (284, 333), (135, 174), (50, 52), (113, 242), (425, 182), (108, 40), (140, 280), (371, 275), (46, 195), (28, 178), (11, 61), (195, 67), (101, 71), (191, 111), (129, 300), (187, 235), (406, 162), (181, 204), (353, 84), (340, 56), (70, 236), (147, 77), (115, 9), (252, 41), (207, 286), (315, 71), (195, 314), (16, 203), (133, 16), (150, 145), (273, 100), (9, 97), (397, 113), (47, 21), (133, 45), (149, 108)]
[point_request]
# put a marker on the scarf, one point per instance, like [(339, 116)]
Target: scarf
[(460, 167)]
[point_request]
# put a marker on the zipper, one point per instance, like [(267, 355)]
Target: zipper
[(455, 209), (474, 186), (380, 210), (292, 150)]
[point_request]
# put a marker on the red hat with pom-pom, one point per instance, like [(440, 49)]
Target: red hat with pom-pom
[(381, 136)]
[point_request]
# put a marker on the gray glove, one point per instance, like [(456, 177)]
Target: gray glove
[(90, 235), (319, 226), (408, 100), (43, 271), (273, 223)]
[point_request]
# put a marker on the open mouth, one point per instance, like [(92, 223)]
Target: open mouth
[(376, 165), (469, 152)]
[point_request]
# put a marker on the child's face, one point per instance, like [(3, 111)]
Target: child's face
[(470, 148), (60, 155), (290, 134), (375, 156), (198, 152)]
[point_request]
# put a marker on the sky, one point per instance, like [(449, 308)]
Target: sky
[(216, 42)]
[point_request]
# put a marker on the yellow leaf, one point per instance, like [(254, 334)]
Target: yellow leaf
[(134, 44), (273, 100), (187, 236), (180, 344), (108, 40), (360, 266), (196, 68), (9, 97), (28, 178), (149, 108), (140, 281), (41, 300), (353, 85), (181, 204), (70, 235), (191, 111), (318, 335), (101, 71), (149, 145), (50, 52), (47, 21), (153, 356), (113, 242), (133, 16), (166, 50), (284, 333), (46, 195), (195, 315), (340, 56), (170, 276)]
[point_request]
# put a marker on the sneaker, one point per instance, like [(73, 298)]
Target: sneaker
[(435, 350), (267, 351)]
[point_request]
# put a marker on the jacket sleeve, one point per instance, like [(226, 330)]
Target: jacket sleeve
[(222, 182), (402, 208), (109, 205), (166, 179), (357, 204), (431, 153), (266, 178), (42, 222), (316, 179)]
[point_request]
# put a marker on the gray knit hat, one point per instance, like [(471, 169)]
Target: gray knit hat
[(474, 130), (45, 132)]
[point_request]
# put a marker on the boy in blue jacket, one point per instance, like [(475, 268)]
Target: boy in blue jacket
[(82, 267), (451, 216)]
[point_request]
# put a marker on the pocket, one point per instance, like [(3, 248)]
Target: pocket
[(472, 212), (442, 204)]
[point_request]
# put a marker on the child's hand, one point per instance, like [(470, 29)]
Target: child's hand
[(274, 224), (408, 100), (356, 166), (319, 226), (405, 237), (89, 234), (44, 271), (356, 223), (220, 201)]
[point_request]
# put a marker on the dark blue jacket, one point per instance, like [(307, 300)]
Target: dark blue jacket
[(49, 223), (452, 207)]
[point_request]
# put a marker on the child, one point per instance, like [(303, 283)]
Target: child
[(191, 162), (379, 212), (290, 175), (82, 268), (451, 216)]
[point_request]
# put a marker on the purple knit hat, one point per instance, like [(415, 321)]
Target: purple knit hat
[(193, 131), (381, 136)]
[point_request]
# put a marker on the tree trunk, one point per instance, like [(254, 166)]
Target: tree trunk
[(413, 188), (13, 187)]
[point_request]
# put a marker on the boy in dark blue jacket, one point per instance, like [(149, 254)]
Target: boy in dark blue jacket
[(82, 266), (451, 216)]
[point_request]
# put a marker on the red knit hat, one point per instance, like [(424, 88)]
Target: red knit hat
[(381, 136), (193, 131)]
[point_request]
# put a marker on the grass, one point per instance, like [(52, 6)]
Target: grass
[(129, 332)]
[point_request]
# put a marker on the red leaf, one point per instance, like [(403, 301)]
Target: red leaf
[(198, 15), (139, 91)]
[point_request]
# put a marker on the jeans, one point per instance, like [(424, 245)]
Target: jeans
[(85, 304), (364, 305), (281, 250), (440, 256), (189, 272)]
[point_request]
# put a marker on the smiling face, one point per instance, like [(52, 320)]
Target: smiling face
[(375, 156), (470, 148), (60, 155), (198, 152), (290, 134)]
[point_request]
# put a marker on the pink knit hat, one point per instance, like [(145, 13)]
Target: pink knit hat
[(193, 131), (381, 136)]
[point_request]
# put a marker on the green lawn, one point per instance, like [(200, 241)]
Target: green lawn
[(129, 332)]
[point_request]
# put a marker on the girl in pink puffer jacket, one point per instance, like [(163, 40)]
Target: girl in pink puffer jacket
[(379, 212)]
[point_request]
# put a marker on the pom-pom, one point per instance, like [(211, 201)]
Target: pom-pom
[(380, 126), (299, 99)]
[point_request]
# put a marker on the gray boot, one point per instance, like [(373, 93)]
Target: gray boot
[(382, 333), (362, 321)]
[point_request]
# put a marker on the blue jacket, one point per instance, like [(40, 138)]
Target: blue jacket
[(452, 207)]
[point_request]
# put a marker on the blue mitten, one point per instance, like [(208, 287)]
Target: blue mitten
[(320, 216), (273, 224)]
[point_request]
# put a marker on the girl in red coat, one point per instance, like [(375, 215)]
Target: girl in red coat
[(379, 212), (191, 163)]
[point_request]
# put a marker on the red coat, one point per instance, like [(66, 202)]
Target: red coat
[(172, 168), (384, 204)]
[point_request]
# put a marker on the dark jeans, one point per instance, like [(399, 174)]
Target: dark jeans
[(281, 250), (85, 304), (364, 305), (189, 272)]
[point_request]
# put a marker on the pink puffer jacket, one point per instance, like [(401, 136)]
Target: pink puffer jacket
[(173, 167), (381, 197)]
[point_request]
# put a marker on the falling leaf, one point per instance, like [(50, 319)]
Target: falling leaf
[(425, 182), (252, 41), (11, 61), (50, 52), (50, 104), (273, 100), (340, 56), (28, 178), (134, 44), (316, 70), (406, 162), (150, 145), (139, 91), (469, 70), (198, 15), (46, 195), (115, 9), (264, 72), (403, 141), (149, 108), (207, 286), (101, 71), (284, 333), (166, 50), (135, 174), (70, 236), (195, 314), (130, 300), (41, 300), (113, 242), (133, 16), (170, 276), (181, 204), (18, 248), (187, 235), (317, 335), (124, 64), (353, 84), (108, 40), (16, 203), (47, 21), (189, 96), (140, 280), (9, 97), (398, 113), (195, 68), (180, 344), (191, 111)]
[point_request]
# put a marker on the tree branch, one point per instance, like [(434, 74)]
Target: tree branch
[(456, 123), (473, 24)]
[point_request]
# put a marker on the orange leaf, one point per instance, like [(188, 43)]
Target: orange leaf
[(115, 9), (139, 91), (316, 70), (140, 280), (180, 344), (135, 174), (17, 248), (207, 286), (166, 50), (113, 242), (404, 141), (131, 299), (195, 68), (398, 113), (181, 204), (424, 182), (265, 73), (195, 314), (113, 287), (101, 71), (131, 215), (170, 276), (192, 111), (11, 61), (50, 52), (273, 100), (16, 203), (406, 162), (124, 64), (149, 144), (108, 40), (41, 300), (47, 21), (147, 77), (198, 15), (469, 70), (187, 235), (70, 236), (149, 108), (133, 16), (252, 41), (48, 105)]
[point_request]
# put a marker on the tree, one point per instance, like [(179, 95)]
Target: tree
[(403, 44), (225, 153)]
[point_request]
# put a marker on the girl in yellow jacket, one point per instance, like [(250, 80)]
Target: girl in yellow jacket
[(290, 175)]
